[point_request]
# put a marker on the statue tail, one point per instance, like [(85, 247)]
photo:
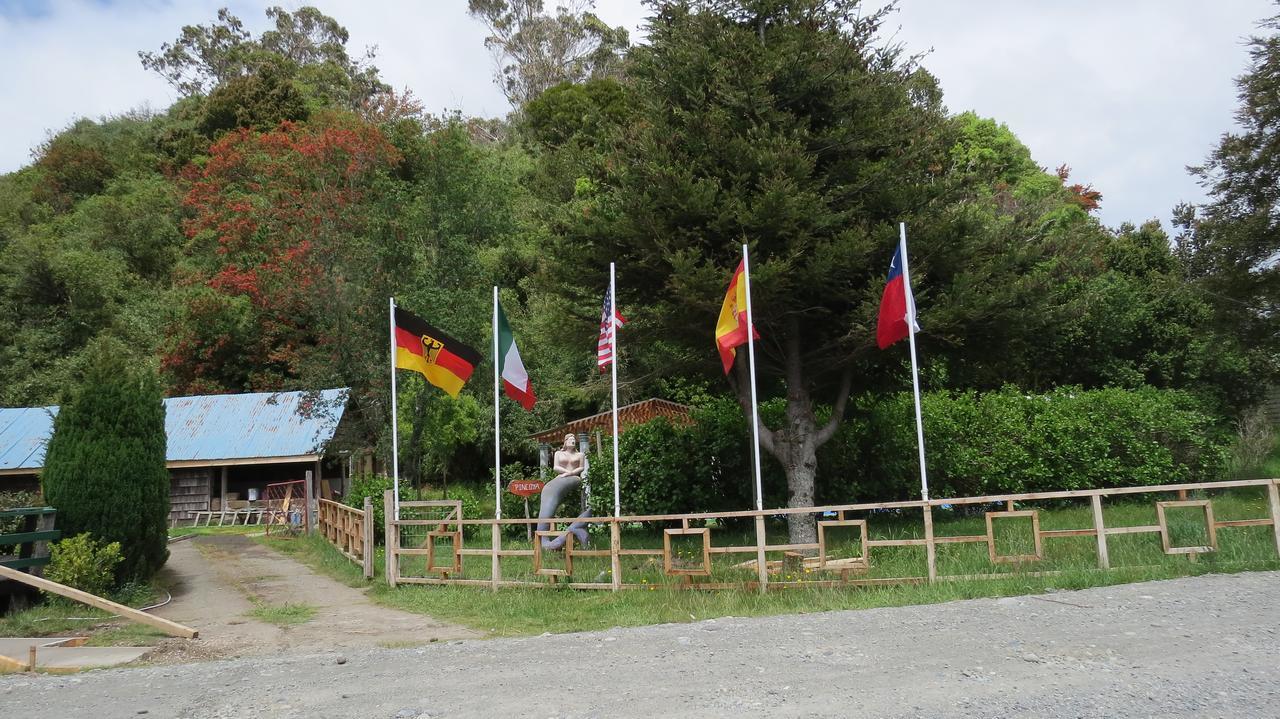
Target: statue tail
[(579, 530)]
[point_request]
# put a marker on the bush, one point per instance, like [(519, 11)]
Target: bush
[(374, 485), (1011, 442), (706, 466), (84, 563), (105, 465)]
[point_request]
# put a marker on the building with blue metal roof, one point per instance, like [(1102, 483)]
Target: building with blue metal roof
[(245, 440)]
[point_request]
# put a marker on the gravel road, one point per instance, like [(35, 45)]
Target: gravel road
[(1197, 647)]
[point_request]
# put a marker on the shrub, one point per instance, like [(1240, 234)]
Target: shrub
[(105, 465), (374, 485), (1011, 442), (84, 563)]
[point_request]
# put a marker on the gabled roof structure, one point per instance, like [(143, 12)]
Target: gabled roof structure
[(628, 415), (204, 430)]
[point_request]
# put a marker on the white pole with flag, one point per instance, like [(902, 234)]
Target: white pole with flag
[(395, 418), (762, 565), (497, 437), (613, 369), (751, 360), (915, 369)]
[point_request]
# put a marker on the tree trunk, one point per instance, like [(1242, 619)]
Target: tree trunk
[(796, 444)]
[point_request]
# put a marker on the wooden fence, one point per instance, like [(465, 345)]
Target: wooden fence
[(350, 530), (31, 540), (688, 550)]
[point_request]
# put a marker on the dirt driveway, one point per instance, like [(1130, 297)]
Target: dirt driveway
[(217, 582)]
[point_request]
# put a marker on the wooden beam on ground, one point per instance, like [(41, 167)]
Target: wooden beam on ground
[(171, 628)]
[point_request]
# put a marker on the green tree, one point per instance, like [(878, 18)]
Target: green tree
[(307, 45), (785, 125), (1231, 245), (535, 50), (105, 466)]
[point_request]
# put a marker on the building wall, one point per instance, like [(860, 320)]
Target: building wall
[(188, 493)]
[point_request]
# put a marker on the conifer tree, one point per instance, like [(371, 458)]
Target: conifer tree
[(105, 465)]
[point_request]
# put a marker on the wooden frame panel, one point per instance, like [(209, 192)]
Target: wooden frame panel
[(453, 568), (1014, 558), (1210, 528), (668, 565), (862, 561), (542, 571)]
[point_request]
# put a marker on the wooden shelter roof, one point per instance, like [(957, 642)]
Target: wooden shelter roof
[(628, 415)]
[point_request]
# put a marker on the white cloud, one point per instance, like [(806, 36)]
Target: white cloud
[(1127, 94)]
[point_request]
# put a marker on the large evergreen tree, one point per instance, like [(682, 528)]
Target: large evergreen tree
[(105, 465), (1231, 245)]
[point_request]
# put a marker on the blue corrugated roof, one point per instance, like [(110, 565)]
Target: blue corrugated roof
[(206, 427), (245, 426), (24, 432)]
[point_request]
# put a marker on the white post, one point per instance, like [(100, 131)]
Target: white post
[(497, 438), (751, 358), (613, 366), (395, 419), (915, 370)]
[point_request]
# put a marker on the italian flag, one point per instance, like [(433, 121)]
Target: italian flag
[(515, 380)]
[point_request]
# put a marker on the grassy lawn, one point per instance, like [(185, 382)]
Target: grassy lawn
[(237, 529), (520, 611), (59, 619)]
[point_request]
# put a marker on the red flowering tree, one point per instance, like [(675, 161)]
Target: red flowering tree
[(278, 226)]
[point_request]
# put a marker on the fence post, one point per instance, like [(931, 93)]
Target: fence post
[(41, 549), (497, 547), (930, 547), (306, 515), (392, 537), (1273, 499), (762, 566), (366, 542), (1104, 559), (615, 558)]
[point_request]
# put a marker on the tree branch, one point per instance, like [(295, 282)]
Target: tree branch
[(837, 412)]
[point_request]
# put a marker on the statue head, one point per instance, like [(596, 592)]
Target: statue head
[(570, 442)]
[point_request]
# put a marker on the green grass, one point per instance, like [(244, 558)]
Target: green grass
[(283, 615), (55, 619), (237, 529), (1071, 562)]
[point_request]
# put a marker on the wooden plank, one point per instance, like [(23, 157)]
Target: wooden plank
[(366, 525), (962, 539), (1273, 502), (24, 537), (1145, 529), (615, 560), (1058, 533), (896, 542), (496, 547), (1100, 530), (762, 567), (164, 625), (392, 537), (1242, 523), (930, 545)]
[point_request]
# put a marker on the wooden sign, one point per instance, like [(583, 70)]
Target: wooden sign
[(525, 487)]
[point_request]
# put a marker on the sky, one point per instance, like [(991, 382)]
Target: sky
[(1125, 93)]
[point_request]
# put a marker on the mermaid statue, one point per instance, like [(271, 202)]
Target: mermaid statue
[(569, 466)]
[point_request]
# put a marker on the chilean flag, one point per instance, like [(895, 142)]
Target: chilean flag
[(897, 306)]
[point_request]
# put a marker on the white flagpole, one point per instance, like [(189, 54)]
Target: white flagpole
[(915, 370), (613, 366), (395, 419), (497, 438), (751, 358)]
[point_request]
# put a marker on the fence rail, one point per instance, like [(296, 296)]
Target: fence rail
[(688, 552), (350, 530), (31, 540)]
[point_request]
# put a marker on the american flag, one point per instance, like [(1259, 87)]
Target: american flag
[(605, 346)]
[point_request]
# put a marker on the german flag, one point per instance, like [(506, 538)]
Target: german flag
[(444, 361)]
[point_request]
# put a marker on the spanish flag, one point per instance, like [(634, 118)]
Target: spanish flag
[(731, 328), (444, 361)]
